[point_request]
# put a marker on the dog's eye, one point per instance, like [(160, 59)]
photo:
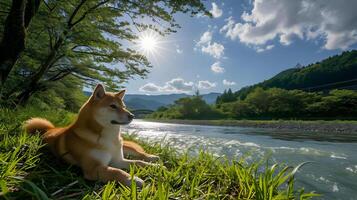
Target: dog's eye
[(113, 106)]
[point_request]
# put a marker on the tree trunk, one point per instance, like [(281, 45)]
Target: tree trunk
[(13, 41)]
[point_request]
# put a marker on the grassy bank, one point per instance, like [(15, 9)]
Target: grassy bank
[(28, 170), (336, 126)]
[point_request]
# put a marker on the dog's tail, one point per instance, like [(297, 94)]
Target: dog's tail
[(39, 125)]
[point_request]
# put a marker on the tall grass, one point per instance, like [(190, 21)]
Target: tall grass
[(28, 170)]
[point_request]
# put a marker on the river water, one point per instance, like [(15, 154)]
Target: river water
[(333, 172)]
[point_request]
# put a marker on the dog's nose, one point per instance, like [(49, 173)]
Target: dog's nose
[(131, 116)]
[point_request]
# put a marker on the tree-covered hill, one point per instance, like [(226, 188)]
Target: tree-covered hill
[(336, 72)]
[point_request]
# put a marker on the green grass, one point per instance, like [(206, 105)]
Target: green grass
[(28, 170)]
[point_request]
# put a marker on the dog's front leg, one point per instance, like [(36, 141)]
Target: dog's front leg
[(133, 149), (106, 173), (126, 163)]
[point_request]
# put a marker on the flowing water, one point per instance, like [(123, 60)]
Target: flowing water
[(333, 172)]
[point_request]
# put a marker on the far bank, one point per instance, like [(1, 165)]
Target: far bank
[(336, 126)]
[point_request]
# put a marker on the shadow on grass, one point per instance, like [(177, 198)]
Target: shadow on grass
[(52, 178)]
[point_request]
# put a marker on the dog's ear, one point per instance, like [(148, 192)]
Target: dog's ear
[(98, 92), (120, 94)]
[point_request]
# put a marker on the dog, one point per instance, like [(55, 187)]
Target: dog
[(93, 141)]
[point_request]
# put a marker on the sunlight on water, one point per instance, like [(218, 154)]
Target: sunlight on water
[(332, 173)]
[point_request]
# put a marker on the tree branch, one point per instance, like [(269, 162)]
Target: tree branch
[(87, 12), (74, 13)]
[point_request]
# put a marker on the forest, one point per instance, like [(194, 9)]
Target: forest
[(272, 103), (295, 93), (335, 72)]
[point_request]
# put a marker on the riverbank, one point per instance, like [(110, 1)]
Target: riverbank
[(284, 125), (29, 171)]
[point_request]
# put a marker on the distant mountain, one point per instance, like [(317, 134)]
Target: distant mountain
[(336, 72), (153, 102), (137, 103)]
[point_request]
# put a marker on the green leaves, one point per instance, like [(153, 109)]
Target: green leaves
[(90, 41)]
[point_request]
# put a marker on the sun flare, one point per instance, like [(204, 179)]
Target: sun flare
[(148, 43)]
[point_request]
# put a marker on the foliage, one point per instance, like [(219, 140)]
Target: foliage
[(187, 108), (28, 170), (339, 71), (227, 96), (89, 41), (275, 103)]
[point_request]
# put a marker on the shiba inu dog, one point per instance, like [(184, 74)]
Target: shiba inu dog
[(93, 140)]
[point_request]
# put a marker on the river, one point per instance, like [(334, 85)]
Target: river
[(333, 172)]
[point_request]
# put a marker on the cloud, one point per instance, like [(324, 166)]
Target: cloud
[(262, 49), (150, 87), (215, 11), (176, 85), (333, 22), (214, 49), (205, 38), (228, 83), (216, 67), (206, 85)]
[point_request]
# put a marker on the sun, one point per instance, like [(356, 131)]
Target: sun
[(148, 43)]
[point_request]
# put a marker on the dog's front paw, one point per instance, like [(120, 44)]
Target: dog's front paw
[(152, 158), (139, 182)]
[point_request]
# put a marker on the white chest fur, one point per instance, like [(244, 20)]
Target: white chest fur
[(111, 146)]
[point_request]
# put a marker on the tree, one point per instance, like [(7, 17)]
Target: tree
[(85, 39), (14, 35), (227, 96), (195, 108), (259, 99)]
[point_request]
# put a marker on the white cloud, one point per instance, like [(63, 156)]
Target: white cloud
[(205, 38), (215, 11), (207, 46), (176, 85), (228, 83), (217, 68), (150, 87), (214, 49), (206, 85), (262, 49), (335, 22)]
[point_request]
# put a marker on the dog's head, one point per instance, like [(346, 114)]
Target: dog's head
[(108, 108)]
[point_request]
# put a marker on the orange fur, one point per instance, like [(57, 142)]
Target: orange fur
[(38, 125), (93, 140)]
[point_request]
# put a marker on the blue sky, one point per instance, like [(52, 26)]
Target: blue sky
[(247, 42)]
